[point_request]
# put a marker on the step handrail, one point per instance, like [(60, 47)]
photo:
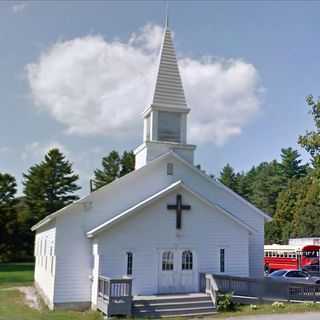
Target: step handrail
[(211, 287)]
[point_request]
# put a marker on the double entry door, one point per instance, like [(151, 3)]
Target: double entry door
[(177, 271)]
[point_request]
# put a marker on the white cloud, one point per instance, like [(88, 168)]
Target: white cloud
[(35, 151), (19, 7), (95, 86), (4, 149)]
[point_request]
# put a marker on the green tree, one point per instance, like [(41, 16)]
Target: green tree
[(306, 222), (287, 205), (111, 166), (266, 185), (127, 162), (290, 165), (8, 216), (244, 183), (8, 189), (311, 140), (228, 177), (49, 185)]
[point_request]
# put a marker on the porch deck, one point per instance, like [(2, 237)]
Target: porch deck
[(115, 298)]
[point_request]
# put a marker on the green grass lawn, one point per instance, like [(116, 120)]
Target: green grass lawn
[(12, 306), (245, 310), (16, 274)]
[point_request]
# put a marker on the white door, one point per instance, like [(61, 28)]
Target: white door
[(188, 273), (177, 271)]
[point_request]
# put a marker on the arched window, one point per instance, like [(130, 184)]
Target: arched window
[(167, 261), (187, 260)]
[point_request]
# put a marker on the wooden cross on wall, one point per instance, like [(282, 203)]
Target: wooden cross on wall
[(178, 207)]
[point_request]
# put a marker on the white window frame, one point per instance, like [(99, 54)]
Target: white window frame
[(187, 260), (167, 260), (170, 169)]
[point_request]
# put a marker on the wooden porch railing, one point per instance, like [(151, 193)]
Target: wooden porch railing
[(267, 289), (114, 296), (210, 286)]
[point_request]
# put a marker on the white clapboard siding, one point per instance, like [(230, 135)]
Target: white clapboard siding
[(45, 260), (74, 262), (218, 194), (74, 250), (145, 233)]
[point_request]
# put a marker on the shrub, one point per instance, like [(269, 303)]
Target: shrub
[(278, 305), (225, 302)]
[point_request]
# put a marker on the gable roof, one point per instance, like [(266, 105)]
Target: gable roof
[(88, 198), (221, 186), (149, 200)]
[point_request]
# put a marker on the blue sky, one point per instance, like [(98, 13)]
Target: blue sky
[(277, 40)]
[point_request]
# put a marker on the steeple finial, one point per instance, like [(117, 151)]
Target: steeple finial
[(167, 15)]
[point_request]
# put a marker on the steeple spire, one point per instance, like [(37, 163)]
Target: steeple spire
[(165, 120), (168, 90)]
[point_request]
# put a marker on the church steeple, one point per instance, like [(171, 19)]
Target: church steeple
[(165, 120), (168, 89)]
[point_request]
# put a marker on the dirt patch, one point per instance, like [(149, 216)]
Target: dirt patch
[(31, 297)]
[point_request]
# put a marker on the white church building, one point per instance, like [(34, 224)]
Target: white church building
[(159, 226)]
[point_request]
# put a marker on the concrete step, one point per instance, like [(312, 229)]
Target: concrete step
[(168, 305), (174, 312), (183, 305), (196, 315), (170, 299)]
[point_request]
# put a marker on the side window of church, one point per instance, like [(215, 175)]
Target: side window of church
[(167, 261), (169, 169), (129, 263), (187, 260), (222, 260)]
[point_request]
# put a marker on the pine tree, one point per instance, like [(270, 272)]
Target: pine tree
[(8, 188), (266, 186), (244, 184), (290, 165), (287, 201), (228, 177), (8, 216), (127, 162), (110, 170), (49, 185), (113, 167)]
